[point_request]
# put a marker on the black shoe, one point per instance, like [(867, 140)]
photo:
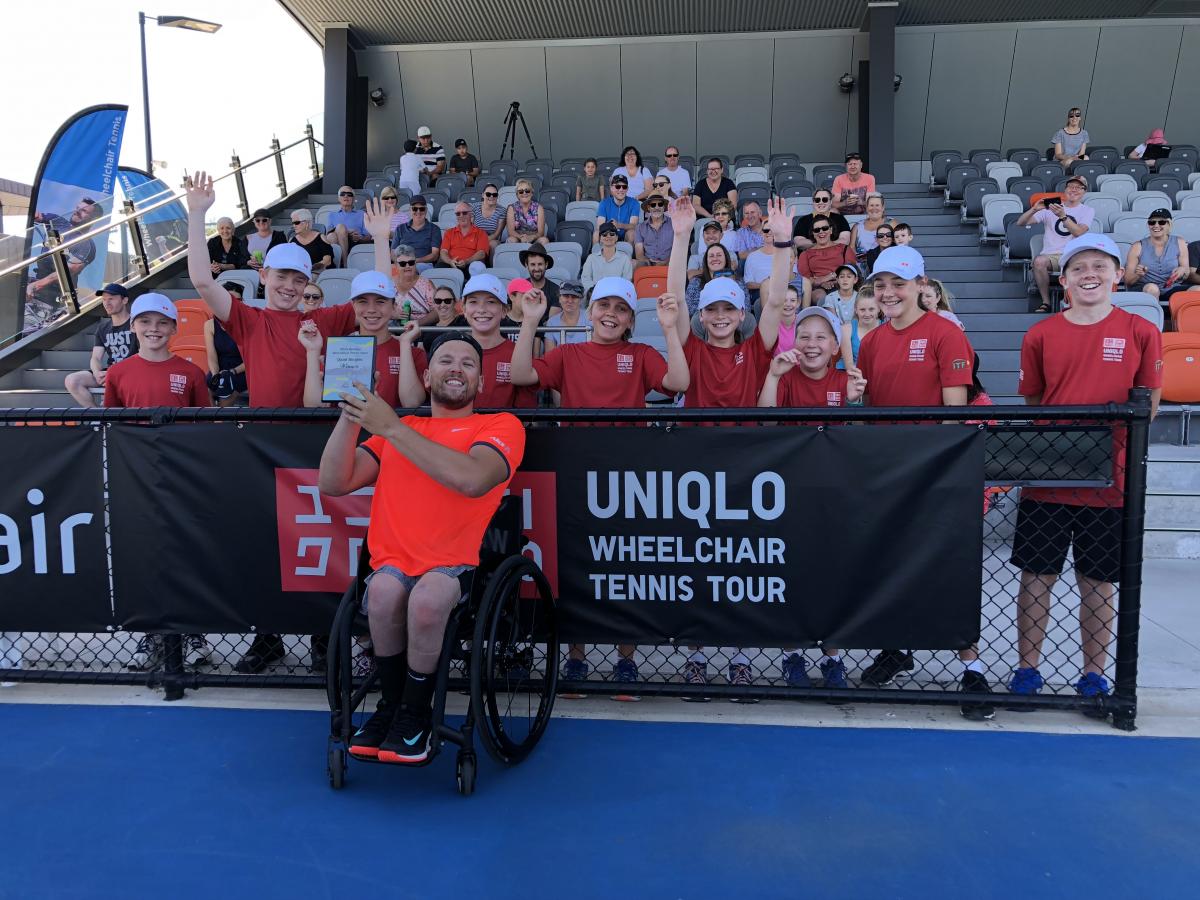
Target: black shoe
[(976, 710), (366, 741), (264, 650), (320, 649), (886, 666), (408, 739)]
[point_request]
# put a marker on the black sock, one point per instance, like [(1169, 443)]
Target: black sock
[(418, 691), (391, 676)]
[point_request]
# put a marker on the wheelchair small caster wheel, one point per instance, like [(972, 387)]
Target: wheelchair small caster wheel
[(335, 767), (465, 772)]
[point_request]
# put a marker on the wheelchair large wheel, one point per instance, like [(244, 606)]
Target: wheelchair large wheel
[(514, 660)]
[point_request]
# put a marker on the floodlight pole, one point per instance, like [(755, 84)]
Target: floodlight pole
[(146, 94)]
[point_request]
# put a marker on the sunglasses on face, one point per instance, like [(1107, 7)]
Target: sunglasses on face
[(818, 229), (491, 194), (883, 234), (524, 191), (467, 213), (299, 221), (386, 199), (405, 263), (345, 193), (312, 296), (443, 301), (1154, 222), (821, 199), (417, 208), (1074, 115), (662, 184), (620, 187), (672, 155), (262, 220)]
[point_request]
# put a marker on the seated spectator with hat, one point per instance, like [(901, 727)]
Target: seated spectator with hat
[(433, 157), (652, 237), (262, 239), (1061, 221), (420, 234), (345, 225), (464, 162), (618, 208), (537, 263), (466, 242), (115, 341), (709, 235), (850, 189), (1159, 265), (573, 305), (819, 263), (609, 261)]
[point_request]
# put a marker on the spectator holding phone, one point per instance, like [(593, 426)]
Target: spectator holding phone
[(1158, 265), (1063, 218)]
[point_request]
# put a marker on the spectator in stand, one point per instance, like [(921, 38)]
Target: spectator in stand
[(591, 182), (1194, 261), (759, 262), (1071, 141), (850, 190), (713, 187), (619, 209), (608, 260), (652, 237), (750, 235), (822, 206), (718, 263), (433, 157), (884, 237), (411, 165), (572, 305), (723, 215), (226, 251), (662, 188), (489, 216), (537, 263), (447, 307), (226, 368), (262, 239), (525, 219), (935, 298), (819, 262), (866, 318), (420, 235), (115, 341), (863, 234), (1139, 152), (902, 233), (345, 225), (680, 178), (311, 241), (390, 200), (792, 304), (312, 298), (414, 292), (1159, 265), (841, 302), (1061, 221), (464, 162), (466, 242), (275, 361), (1091, 353), (639, 177), (709, 235)]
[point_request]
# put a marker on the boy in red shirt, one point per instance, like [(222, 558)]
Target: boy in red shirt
[(454, 467), (605, 372), (1090, 353), (916, 359)]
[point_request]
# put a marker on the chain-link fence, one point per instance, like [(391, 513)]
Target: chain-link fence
[(1063, 493)]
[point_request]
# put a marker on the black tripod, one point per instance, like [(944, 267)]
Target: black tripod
[(510, 131)]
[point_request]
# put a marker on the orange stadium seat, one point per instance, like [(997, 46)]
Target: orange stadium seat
[(650, 281), (192, 316), (192, 349), (1185, 311), (1181, 367)]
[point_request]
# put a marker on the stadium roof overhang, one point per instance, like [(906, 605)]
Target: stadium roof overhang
[(403, 22)]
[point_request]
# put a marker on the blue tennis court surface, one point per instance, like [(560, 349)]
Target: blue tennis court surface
[(103, 801)]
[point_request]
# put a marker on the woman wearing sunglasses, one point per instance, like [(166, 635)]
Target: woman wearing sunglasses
[(885, 237), (525, 219), (447, 307), (1158, 265), (489, 216), (1071, 141), (391, 206), (311, 240), (863, 235), (262, 239), (412, 288)]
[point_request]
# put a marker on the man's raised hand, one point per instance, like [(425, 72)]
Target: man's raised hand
[(683, 215), (198, 188), (377, 222)]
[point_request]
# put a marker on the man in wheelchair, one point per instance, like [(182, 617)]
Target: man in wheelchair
[(438, 481)]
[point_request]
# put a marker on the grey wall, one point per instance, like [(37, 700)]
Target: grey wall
[(964, 87)]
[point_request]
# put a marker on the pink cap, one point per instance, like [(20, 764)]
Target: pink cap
[(520, 284), (1156, 137)]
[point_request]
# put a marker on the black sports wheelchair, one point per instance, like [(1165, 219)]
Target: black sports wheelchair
[(503, 634)]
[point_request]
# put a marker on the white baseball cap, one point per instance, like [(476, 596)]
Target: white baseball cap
[(157, 303), (723, 289), (827, 314), (485, 284), (1089, 241), (902, 261), (289, 256), (372, 283), (612, 286), (424, 131)]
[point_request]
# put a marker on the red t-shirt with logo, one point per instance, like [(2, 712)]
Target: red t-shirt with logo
[(141, 382), (275, 360), (797, 389), (1071, 364), (497, 390), (910, 366), (599, 376), (725, 376)]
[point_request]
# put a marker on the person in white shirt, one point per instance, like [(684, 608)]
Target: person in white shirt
[(411, 165), (681, 178)]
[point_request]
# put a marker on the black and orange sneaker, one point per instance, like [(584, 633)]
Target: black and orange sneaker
[(366, 741), (407, 740)]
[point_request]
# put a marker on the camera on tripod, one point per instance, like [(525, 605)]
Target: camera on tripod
[(511, 118)]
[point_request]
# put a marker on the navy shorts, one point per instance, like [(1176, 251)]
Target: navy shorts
[(1045, 531)]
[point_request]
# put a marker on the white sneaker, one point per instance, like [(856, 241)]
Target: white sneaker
[(196, 650), (148, 655)]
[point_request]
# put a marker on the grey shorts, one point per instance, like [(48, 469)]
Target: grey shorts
[(462, 573)]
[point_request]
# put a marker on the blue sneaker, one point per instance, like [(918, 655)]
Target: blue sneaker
[(834, 671), (795, 671), (575, 670), (625, 672), (1025, 682), (1093, 686)]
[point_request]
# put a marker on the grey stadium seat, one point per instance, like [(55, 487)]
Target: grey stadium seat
[(1168, 184), (373, 186), (942, 160), (995, 207), (1018, 242), (789, 176), (1140, 305), (578, 233), (504, 170), (336, 285), (1047, 173), (1187, 153), (1024, 188), (1089, 170), (1025, 157), (451, 278), (1104, 156), (956, 179), (974, 190), (1133, 167), (555, 199), (982, 157), (1179, 168), (452, 184)]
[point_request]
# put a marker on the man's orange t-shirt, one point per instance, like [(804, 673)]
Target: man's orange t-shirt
[(418, 524)]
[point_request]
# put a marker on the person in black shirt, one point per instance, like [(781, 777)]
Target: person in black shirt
[(713, 188), (464, 162), (822, 206), (114, 342), (227, 251)]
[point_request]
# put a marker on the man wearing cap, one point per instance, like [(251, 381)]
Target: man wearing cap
[(421, 234), (433, 157), (454, 466), (1091, 353), (851, 188), (916, 359), (571, 304), (653, 237), (608, 262), (262, 239), (115, 341), (345, 225), (537, 263), (1061, 222), (618, 209), (710, 234), (466, 242), (819, 263), (154, 376), (464, 162), (1159, 265)]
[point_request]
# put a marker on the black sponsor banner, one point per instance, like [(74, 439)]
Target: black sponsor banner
[(53, 568), (766, 536)]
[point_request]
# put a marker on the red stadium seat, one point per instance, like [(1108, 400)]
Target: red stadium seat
[(192, 316), (1181, 367), (1185, 311), (193, 350), (650, 281)]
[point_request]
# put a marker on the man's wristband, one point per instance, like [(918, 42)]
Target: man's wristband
[(781, 245)]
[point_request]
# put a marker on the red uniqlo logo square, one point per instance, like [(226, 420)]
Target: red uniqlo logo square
[(539, 520), (319, 536)]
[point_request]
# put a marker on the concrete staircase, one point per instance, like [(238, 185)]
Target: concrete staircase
[(1173, 503)]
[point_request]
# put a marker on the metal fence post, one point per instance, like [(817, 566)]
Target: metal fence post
[(313, 164), (66, 284), (1133, 524), (282, 184), (172, 667), (135, 238), (243, 203)]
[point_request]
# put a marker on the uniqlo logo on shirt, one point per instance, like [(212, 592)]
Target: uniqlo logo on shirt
[(319, 536), (833, 398), (503, 372), (1114, 350), (916, 349), (178, 384), (624, 363), (394, 365)]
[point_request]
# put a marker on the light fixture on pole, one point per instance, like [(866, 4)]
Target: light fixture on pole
[(846, 83), (187, 23)]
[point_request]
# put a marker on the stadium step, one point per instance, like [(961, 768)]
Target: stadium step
[(1173, 501), (72, 360), (998, 305), (1004, 290), (960, 239), (999, 360), (34, 398), (995, 340), (35, 379), (1018, 322)]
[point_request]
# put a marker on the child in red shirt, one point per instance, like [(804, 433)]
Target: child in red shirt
[(1091, 353)]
